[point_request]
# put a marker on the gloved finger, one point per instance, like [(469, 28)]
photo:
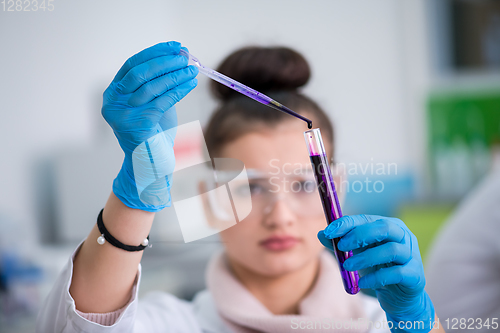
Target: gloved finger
[(343, 225), (158, 50), (383, 277), (388, 253), (150, 70), (328, 243), (169, 121), (152, 89), (383, 230), (171, 97)]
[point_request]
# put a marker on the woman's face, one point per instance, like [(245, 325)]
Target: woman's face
[(282, 237)]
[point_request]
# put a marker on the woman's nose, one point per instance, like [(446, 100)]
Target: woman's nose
[(278, 214)]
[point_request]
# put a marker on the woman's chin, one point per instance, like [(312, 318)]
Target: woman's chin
[(283, 262)]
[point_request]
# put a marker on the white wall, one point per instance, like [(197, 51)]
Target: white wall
[(54, 67)]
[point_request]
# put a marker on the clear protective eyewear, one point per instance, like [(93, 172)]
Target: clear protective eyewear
[(298, 190)]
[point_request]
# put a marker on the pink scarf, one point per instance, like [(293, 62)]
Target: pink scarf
[(326, 303)]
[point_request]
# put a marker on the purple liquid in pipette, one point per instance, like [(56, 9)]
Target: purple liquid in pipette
[(331, 207), (243, 89), (261, 98)]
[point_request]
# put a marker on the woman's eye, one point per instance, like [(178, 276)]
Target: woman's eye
[(305, 187), (256, 189), (244, 191), (241, 191), (310, 186)]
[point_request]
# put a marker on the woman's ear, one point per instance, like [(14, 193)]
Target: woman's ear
[(339, 175)]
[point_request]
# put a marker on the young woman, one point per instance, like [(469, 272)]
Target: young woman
[(274, 275)]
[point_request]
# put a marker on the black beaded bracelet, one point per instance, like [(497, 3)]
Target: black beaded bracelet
[(106, 236)]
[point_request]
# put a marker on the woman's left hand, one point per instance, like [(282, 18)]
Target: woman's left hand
[(386, 254)]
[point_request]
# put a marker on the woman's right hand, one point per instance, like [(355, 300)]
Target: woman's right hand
[(139, 105)]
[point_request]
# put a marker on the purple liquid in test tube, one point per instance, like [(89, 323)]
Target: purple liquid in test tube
[(330, 201)]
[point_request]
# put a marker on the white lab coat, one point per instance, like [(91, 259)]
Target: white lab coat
[(156, 312)]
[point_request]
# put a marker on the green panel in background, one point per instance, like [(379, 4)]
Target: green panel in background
[(468, 115), (462, 129), (425, 221)]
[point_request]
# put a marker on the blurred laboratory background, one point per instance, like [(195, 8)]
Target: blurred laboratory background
[(412, 86)]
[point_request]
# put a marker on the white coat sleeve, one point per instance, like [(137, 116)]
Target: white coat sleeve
[(156, 312), (58, 313)]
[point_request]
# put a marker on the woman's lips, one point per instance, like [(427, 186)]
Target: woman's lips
[(279, 243)]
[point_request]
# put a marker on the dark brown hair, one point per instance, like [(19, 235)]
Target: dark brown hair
[(277, 72)]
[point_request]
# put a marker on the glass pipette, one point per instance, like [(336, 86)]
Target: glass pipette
[(241, 88)]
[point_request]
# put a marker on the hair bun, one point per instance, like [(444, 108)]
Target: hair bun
[(263, 69)]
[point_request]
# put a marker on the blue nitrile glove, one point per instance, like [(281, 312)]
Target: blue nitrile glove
[(386, 254), (139, 107)]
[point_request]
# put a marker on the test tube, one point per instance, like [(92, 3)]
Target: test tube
[(330, 201)]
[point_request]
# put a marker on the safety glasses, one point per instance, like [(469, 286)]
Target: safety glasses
[(262, 189)]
